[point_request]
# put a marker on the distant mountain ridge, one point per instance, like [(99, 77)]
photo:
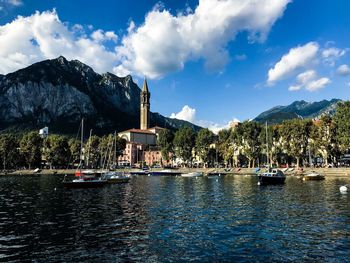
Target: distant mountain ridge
[(298, 109), (58, 93)]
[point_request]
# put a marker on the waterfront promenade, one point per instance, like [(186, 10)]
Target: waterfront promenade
[(233, 171)]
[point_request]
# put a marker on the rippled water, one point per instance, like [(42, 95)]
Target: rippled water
[(174, 219)]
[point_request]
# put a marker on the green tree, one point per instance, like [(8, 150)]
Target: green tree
[(105, 148), (31, 149), (120, 146), (9, 151), (225, 146), (322, 137), (74, 147), (247, 136), (295, 136), (342, 123), (165, 142), (184, 142), (57, 151), (92, 151), (274, 143), (204, 139)]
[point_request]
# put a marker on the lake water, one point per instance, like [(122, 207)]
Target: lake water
[(174, 219)]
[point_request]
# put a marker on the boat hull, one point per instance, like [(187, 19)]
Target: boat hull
[(85, 184), (313, 178), (271, 179), (160, 173), (193, 174)]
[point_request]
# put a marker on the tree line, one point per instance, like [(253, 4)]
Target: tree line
[(30, 150), (296, 141)]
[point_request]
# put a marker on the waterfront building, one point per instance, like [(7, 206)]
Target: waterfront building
[(141, 144)]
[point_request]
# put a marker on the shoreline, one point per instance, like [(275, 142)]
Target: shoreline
[(233, 171)]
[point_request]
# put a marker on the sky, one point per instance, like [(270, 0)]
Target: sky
[(208, 61)]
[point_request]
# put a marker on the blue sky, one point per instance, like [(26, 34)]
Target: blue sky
[(221, 59)]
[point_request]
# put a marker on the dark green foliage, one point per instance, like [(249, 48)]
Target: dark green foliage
[(57, 151), (342, 122), (165, 141), (31, 149), (204, 139), (184, 142), (9, 151), (295, 134)]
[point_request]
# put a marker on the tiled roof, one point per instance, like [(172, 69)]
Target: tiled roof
[(138, 131)]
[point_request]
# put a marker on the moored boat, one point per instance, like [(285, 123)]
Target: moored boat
[(116, 177), (192, 174), (313, 176), (86, 178), (84, 183), (272, 176)]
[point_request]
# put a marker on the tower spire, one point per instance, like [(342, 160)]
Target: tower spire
[(145, 107), (145, 86)]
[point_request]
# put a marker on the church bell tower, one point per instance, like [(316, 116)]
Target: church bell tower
[(145, 107)]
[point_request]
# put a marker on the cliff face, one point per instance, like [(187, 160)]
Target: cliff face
[(59, 93)]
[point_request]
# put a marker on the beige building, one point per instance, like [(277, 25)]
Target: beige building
[(141, 143), (145, 137)]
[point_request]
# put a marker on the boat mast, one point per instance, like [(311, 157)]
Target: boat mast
[(115, 150), (267, 147), (88, 153), (81, 141)]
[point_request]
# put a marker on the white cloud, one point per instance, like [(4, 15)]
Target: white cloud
[(307, 76), (43, 36), (310, 81), (216, 127), (187, 114), (318, 84), (164, 42), (343, 70), (297, 58), (330, 55), (295, 87), (100, 36)]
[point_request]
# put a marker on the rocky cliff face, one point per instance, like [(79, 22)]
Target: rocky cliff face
[(59, 93)]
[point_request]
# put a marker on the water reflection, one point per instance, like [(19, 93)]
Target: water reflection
[(174, 219)]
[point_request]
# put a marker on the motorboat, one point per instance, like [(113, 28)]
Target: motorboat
[(313, 176), (116, 177), (192, 174), (272, 176)]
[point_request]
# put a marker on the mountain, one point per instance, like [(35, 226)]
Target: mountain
[(58, 93), (298, 109)]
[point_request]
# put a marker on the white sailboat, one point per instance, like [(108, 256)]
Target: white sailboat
[(86, 178)]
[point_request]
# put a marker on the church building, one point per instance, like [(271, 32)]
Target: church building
[(141, 144)]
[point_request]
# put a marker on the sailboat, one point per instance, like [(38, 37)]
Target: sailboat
[(86, 178), (271, 176), (114, 177)]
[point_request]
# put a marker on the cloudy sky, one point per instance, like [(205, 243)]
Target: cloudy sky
[(206, 61)]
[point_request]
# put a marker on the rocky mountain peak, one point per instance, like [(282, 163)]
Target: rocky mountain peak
[(58, 93)]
